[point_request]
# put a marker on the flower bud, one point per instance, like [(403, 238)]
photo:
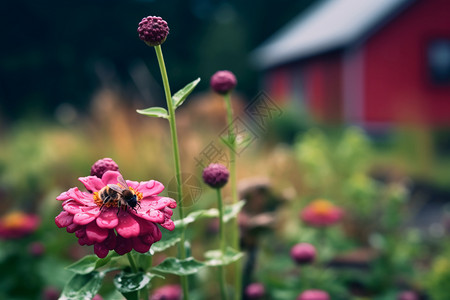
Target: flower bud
[(216, 175), (102, 165), (314, 295), (255, 291), (303, 253), (223, 81), (153, 30)]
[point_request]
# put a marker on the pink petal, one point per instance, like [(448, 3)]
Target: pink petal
[(80, 233), (110, 177), (150, 215), (92, 183), (108, 218), (157, 203), (101, 250), (73, 227), (133, 184), (95, 233), (147, 227), (167, 212), (75, 194), (140, 246), (128, 227), (72, 207), (147, 239), (83, 218), (168, 224), (150, 188), (110, 241), (64, 219), (123, 245)]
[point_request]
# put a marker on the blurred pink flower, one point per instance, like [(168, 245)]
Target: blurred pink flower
[(255, 290), (303, 253), (314, 295), (167, 292), (113, 228), (321, 213), (223, 81), (18, 224)]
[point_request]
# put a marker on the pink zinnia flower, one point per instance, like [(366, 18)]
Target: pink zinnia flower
[(17, 224), (167, 292), (321, 213), (112, 227)]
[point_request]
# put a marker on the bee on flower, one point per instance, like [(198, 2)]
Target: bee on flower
[(116, 214)]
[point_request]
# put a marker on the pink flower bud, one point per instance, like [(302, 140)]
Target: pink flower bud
[(153, 30), (216, 175), (102, 165), (223, 81)]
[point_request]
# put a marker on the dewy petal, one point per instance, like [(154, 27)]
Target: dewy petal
[(64, 219), (168, 224), (92, 183), (128, 227), (150, 215), (73, 207), (157, 203), (95, 233), (108, 218), (83, 218), (110, 177), (80, 197), (123, 245), (150, 188)]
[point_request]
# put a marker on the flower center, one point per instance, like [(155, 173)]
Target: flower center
[(14, 220), (322, 207)]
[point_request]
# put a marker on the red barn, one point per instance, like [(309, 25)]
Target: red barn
[(373, 63)]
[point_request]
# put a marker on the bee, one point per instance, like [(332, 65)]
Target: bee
[(122, 194)]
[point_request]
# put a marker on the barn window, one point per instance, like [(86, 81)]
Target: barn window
[(439, 61)]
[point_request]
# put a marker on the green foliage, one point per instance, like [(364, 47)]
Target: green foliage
[(83, 287), (181, 267), (179, 97), (215, 257), (439, 277), (158, 112)]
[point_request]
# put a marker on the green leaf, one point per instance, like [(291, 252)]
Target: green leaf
[(82, 287), (182, 94), (232, 211), (193, 216), (179, 267), (89, 263), (154, 112), (215, 258), (132, 282), (85, 265), (167, 243)]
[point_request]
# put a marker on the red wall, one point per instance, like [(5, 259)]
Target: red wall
[(323, 87), (396, 81)]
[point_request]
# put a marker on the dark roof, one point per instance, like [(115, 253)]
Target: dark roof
[(330, 24)]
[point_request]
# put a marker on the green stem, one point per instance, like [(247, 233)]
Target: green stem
[(176, 158), (234, 197), (132, 262), (222, 282)]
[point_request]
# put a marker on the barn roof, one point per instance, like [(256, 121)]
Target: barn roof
[(330, 24)]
